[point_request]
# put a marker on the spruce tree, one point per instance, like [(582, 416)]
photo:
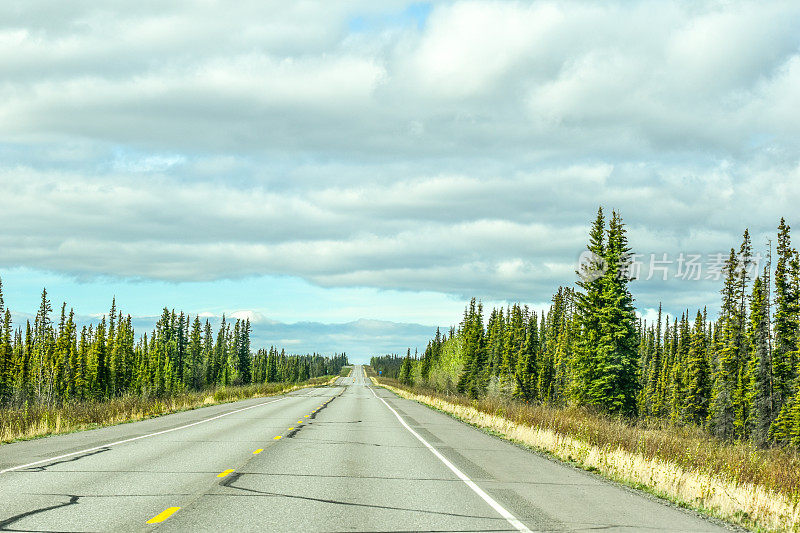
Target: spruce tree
[(590, 301), (785, 319), (25, 385), (5, 352), (664, 386), (405, 376), (741, 408), (196, 355), (208, 355), (43, 347), (527, 373), (698, 389), (220, 371), (6, 375), (653, 368), (616, 385), (474, 375), (83, 377), (721, 414), (100, 356), (61, 355), (759, 391), (544, 384), (426, 363), (681, 372), (564, 386), (245, 370), (729, 410)]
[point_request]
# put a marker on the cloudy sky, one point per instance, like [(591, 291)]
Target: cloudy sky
[(374, 164)]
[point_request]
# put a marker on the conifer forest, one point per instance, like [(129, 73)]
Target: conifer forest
[(52, 361), (732, 368)]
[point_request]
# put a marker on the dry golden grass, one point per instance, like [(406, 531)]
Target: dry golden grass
[(41, 420), (736, 482)]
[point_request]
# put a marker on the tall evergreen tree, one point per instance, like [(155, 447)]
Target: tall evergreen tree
[(245, 370), (653, 372), (759, 390), (590, 300), (527, 373), (698, 390), (722, 413), (100, 357), (6, 353), (406, 376), (474, 376), (196, 355), (786, 319), (616, 386)]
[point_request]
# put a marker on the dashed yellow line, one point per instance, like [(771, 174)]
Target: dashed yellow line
[(307, 416), (299, 421), (163, 515), (291, 428), (278, 437), (258, 451), (225, 472)]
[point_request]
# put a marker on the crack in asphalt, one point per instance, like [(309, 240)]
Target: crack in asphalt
[(233, 478), (73, 500), (459, 530), (345, 422), (318, 441), (43, 468)]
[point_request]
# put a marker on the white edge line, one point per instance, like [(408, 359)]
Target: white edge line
[(510, 518), (51, 459)]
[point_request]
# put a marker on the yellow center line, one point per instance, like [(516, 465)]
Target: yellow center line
[(299, 421), (307, 416), (163, 515), (258, 451), (225, 472), (278, 437), (291, 428)]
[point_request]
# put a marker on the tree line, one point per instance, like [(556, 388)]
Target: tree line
[(736, 376), (54, 362)]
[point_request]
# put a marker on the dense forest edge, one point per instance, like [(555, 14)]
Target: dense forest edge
[(723, 392), (55, 377)]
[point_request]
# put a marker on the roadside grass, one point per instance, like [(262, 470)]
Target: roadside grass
[(345, 371), (34, 421), (755, 488)]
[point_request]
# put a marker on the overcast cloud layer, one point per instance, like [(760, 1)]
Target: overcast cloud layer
[(455, 147)]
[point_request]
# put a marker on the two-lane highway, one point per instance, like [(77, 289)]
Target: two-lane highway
[(349, 457)]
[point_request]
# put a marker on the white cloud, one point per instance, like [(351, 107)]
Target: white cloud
[(255, 317), (469, 46), (466, 156)]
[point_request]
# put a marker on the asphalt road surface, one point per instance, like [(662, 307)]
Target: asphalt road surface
[(349, 457)]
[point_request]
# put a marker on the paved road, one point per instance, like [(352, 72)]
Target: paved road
[(349, 458)]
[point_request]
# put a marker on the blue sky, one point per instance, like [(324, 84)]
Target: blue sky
[(414, 14), (285, 311), (367, 167), (284, 298)]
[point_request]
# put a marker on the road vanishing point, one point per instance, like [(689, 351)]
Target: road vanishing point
[(347, 457)]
